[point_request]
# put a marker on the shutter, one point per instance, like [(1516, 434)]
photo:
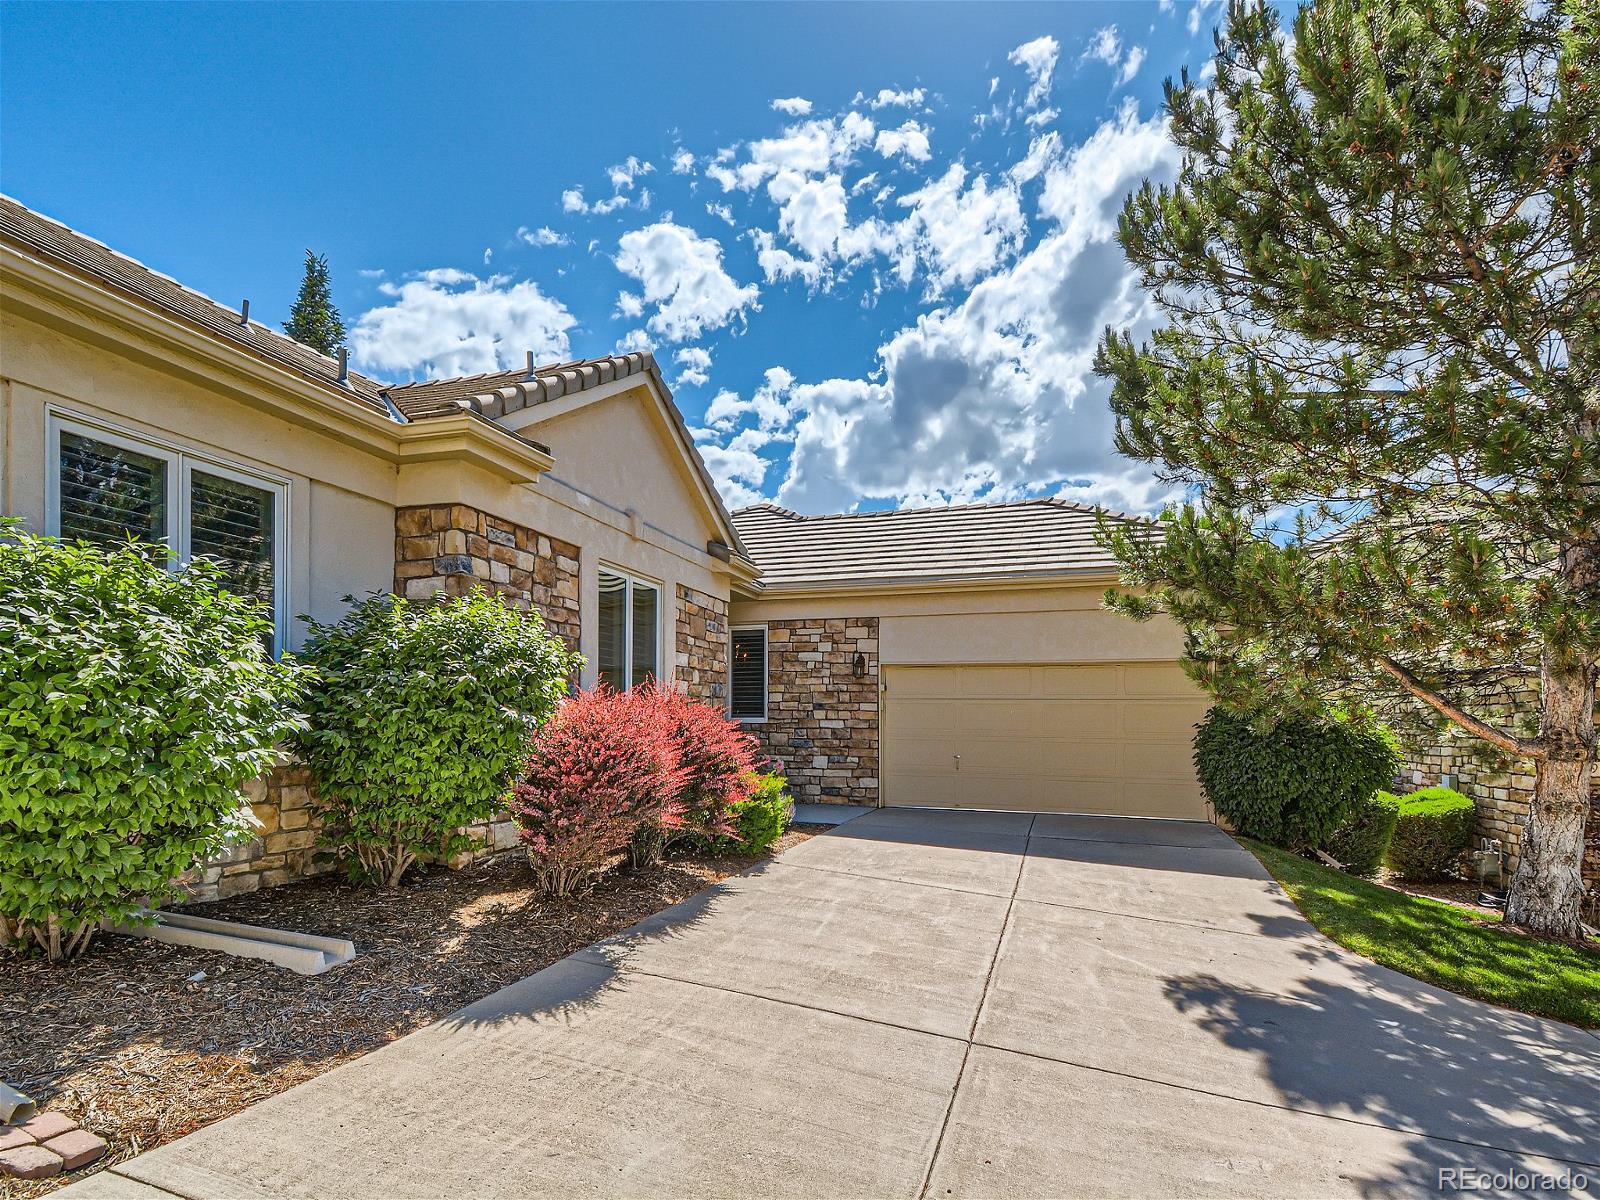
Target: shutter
[(748, 690)]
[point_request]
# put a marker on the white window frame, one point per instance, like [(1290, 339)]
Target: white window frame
[(181, 464), (766, 669), (630, 578)]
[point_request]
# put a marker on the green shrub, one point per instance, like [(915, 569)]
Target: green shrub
[(1433, 829), (1363, 839), (1291, 783), (134, 703), (759, 820), (420, 716)]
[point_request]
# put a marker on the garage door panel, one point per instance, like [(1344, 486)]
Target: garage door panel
[(1081, 681), (1107, 738)]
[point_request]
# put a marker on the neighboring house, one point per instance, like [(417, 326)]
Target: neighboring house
[(944, 657)]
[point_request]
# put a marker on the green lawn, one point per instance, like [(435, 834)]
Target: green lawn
[(1440, 943)]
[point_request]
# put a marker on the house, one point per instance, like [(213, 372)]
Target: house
[(943, 657)]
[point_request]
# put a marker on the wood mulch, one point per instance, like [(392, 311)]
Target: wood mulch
[(143, 1042)]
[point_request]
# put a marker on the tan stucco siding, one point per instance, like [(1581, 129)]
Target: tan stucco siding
[(979, 625), (340, 506)]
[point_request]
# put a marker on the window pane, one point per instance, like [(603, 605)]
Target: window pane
[(748, 688), (646, 609), (612, 630), (232, 522), (108, 493)]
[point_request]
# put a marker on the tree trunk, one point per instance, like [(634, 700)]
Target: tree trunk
[(1547, 892)]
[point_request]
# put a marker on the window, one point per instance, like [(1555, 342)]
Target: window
[(106, 487), (630, 630), (747, 670)]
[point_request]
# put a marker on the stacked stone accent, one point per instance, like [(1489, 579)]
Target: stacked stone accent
[(822, 721), (283, 850), (1503, 797), (703, 646), (453, 548)]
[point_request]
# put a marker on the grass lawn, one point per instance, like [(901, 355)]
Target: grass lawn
[(1440, 943)]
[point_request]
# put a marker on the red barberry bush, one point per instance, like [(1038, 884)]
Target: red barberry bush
[(716, 760), (602, 767)]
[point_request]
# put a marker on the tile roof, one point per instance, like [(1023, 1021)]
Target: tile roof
[(1025, 538), (500, 392), (54, 242)]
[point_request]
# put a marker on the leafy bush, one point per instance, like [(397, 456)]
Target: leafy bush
[(419, 719), (1433, 828), (134, 703), (1362, 840), (604, 766), (717, 760), (759, 820), (1294, 782)]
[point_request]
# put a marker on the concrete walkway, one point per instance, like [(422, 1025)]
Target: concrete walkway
[(938, 1004)]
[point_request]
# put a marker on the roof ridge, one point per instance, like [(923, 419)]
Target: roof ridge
[(1052, 501), (173, 280)]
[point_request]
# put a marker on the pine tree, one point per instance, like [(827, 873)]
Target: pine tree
[(314, 320), (1380, 383)]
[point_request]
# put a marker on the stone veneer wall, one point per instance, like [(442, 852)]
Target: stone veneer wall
[(452, 548), (283, 850), (1503, 797), (822, 722), (702, 644)]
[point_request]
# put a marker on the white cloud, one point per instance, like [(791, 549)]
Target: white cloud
[(623, 174), (449, 322), (722, 212), (809, 148), (572, 201), (1131, 64), (737, 466), (1197, 13), (682, 162), (1038, 59), (542, 236), (912, 98), (696, 363), (1105, 45), (910, 141), (963, 231), (681, 274), (795, 106), (1042, 117), (635, 339), (629, 305), (372, 273), (993, 397)]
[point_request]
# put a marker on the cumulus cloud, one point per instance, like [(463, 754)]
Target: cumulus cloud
[(1106, 46), (910, 141), (681, 275), (962, 231), (993, 397), (738, 466), (696, 364), (889, 97), (449, 322), (542, 236), (1038, 58), (572, 201), (795, 106), (721, 212), (623, 174), (682, 161)]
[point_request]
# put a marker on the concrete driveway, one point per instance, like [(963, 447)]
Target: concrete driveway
[(939, 1004)]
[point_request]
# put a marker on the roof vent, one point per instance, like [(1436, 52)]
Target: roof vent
[(344, 367), (244, 313), (531, 369)]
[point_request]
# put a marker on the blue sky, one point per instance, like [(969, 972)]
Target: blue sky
[(871, 246)]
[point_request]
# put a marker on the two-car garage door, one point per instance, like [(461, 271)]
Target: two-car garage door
[(1091, 738)]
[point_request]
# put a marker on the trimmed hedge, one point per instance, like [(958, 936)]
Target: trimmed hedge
[(760, 819), (1362, 841), (1433, 829), (1293, 782)]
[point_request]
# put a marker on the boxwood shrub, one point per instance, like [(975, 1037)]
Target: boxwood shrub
[(1433, 828), (1290, 782), (759, 820), (420, 715), (1361, 842), (135, 701)]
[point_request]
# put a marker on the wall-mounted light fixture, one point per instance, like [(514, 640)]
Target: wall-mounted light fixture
[(858, 667)]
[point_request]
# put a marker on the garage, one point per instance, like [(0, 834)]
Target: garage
[(1089, 738)]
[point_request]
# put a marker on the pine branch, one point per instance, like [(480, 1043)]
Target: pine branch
[(1495, 736)]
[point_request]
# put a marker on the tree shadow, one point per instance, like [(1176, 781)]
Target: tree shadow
[(1364, 1043)]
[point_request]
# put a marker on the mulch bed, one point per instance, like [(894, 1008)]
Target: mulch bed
[(143, 1042)]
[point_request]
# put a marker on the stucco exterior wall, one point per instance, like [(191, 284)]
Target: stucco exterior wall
[(340, 510)]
